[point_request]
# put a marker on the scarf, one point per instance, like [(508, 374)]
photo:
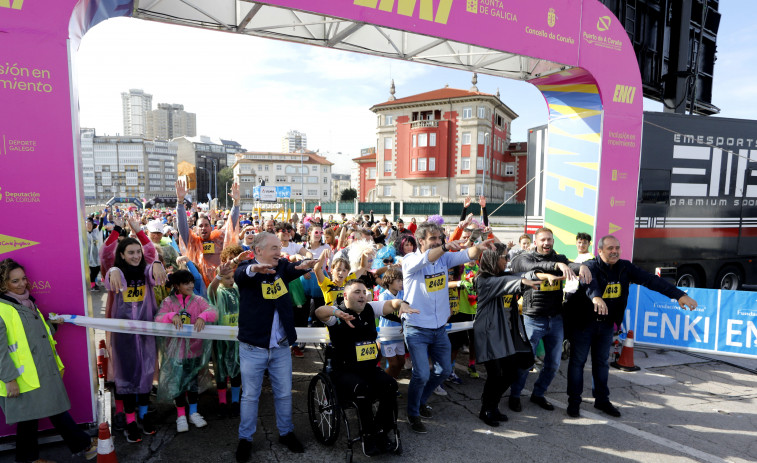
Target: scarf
[(23, 299)]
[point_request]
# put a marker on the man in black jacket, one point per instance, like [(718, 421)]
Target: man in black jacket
[(266, 330), (542, 312), (593, 311)]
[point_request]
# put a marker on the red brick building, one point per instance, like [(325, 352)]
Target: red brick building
[(440, 145)]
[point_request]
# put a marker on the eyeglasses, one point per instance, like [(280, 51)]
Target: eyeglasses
[(249, 232), (317, 233)]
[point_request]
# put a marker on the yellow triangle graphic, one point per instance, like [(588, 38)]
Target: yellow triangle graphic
[(585, 165), (614, 228), (11, 243)]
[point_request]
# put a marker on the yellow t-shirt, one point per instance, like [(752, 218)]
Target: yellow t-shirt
[(333, 294)]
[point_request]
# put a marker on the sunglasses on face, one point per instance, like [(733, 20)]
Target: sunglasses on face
[(317, 233)]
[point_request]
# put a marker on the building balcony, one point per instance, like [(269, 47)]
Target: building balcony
[(423, 124)]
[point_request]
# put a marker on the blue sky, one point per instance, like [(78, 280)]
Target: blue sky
[(253, 90)]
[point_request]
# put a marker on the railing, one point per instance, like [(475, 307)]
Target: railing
[(424, 123)]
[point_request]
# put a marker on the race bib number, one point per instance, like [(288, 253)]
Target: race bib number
[(366, 351), (274, 290), (134, 294), (545, 286), (454, 301), (231, 319), (612, 291), (186, 319), (436, 282), (208, 247), (507, 299)]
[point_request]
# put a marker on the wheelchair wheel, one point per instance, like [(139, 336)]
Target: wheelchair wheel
[(323, 409)]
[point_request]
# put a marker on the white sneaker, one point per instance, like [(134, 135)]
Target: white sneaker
[(408, 363), (181, 424), (440, 391), (197, 420)]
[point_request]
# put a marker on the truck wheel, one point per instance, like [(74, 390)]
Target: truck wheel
[(729, 278), (688, 277)]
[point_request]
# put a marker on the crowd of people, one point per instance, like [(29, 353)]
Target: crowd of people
[(271, 275)]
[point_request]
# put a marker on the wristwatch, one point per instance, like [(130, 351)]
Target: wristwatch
[(444, 247)]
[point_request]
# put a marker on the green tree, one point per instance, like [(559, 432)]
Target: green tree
[(348, 194), (225, 180)]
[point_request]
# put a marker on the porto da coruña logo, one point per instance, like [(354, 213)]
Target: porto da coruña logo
[(12, 4)]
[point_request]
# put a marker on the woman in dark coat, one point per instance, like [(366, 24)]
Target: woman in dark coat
[(26, 396), (499, 335)]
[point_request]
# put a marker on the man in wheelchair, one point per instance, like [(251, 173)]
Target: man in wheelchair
[(355, 374)]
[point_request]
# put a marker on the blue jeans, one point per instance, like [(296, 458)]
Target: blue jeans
[(423, 343), (597, 336), (550, 330), (253, 362)]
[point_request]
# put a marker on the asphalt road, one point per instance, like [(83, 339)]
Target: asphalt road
[(678, 408)]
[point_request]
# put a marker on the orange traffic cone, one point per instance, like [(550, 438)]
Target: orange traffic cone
[(106, 452), (625, 362)]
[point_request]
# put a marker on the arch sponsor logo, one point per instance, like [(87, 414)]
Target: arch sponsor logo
[(19, 197), (603, 23), (11, 243), (12, 4), (551, 17), (407, 8), (624, 94)]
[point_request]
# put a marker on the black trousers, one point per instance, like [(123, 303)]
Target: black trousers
[(93, 271), (27, 448), (500, 375), (236, 381), (364, 387)]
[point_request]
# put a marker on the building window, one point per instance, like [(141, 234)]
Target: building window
[(433, 190), (481, 138), (425, 190), (479, 190), (465, 164), (431, 164), (421, 164), (387, 190), (482, 112), (415, 141), (325, 192), (266, 167), (464, 190), (466, 138), (479, 163), (387, 143), (278, 166), (325, 180), (371, 173), (415, 190), (422, 140), (412, 165), (467, 113), (281, 178), (387, 166), (312, 192), (509, 169), (432, 139), (388, 120)]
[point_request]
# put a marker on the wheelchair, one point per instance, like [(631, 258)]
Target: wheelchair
[(327, 412)]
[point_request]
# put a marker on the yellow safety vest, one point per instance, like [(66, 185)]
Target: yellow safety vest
[(20, 352)]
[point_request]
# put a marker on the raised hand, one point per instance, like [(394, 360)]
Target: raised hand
[(235, 194), (482, 201), (467, 201), (181, 190)]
